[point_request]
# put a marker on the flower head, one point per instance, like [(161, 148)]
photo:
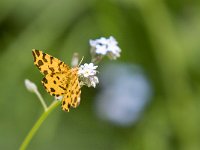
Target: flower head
[(30, 85), (105, 46), (87, 74), (87, 70)]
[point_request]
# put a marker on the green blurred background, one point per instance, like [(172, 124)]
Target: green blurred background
[(162, 36)]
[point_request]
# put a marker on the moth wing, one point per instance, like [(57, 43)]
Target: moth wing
[(48, 64), (72, 96), (75, 89), (66, 102), (56, 84)]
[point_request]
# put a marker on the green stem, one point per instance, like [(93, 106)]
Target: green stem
[(38, 124), (41, 100)]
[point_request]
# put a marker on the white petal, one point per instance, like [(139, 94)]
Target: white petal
[(101, 49), (93, 43), (112, 40)]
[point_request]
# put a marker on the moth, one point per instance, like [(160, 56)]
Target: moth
[(59, 79)]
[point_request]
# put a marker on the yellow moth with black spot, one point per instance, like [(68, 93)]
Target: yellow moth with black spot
[(59, 79)]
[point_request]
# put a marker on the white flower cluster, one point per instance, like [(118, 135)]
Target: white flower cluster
[(99, 48), (87, 75), (105, 46)]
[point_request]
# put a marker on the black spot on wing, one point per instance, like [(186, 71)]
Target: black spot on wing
[(44, 84), (68, 105), (45, 80), (37, 52), (75, 99), (52, 69), (60, 63), (63, 102), (45, 72), (43, 57), (51, 59), (52, 89), (34, 56), (76, 86), (62, 87), (66, 109), (40, 63)]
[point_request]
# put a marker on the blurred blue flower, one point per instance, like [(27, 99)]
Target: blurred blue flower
[(124, 95)]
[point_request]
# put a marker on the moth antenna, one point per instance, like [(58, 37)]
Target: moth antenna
[(81, 61)]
